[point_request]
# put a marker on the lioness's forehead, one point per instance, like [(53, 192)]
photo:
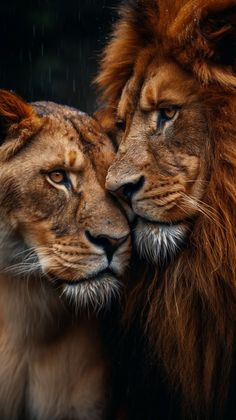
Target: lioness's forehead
[(71, 135)]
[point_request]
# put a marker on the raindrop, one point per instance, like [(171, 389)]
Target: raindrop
[(30, 55), (21, 55), (49, 74)]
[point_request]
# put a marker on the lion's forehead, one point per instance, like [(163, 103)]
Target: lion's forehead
[(165, 82)]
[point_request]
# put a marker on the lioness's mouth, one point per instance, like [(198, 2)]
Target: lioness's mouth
[(100, 275), (94, 292)]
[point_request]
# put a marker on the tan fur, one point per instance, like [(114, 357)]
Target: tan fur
[(187, 51), (53, 364)]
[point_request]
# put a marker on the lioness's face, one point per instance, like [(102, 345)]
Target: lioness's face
[(53, 198), (161, 166)]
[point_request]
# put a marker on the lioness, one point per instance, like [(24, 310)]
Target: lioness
[(62, 238)]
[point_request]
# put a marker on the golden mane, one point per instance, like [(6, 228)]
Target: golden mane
[(191, 315), (182, 28)]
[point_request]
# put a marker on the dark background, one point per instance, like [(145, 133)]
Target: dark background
[(50, 49)]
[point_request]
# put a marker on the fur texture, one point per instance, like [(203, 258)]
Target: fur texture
[(59, 260), (185, 49)]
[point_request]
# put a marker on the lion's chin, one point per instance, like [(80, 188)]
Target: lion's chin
[(93, 294), (159, 242)]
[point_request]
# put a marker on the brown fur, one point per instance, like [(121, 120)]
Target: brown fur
[(184, 53), (52, 359)]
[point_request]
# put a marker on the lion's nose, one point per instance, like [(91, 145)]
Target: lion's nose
[(108, 243), (126, 191)]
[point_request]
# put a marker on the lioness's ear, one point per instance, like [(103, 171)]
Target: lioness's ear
[(18, 121), (206, 34)]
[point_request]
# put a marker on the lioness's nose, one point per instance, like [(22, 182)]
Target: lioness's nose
[(108, 243), (126, 191)]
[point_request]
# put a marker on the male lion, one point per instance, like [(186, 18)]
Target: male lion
[(64, 245), (168, 78)]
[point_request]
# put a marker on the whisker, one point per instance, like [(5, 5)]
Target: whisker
[(156, 195), (93, 295), (155, 243), (77, 254), (203, 208)]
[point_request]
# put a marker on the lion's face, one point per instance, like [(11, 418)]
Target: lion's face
[(161, 165), (168, 77), (54, 206)]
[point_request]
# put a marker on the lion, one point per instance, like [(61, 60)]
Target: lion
[(168, 88), (64, 247)]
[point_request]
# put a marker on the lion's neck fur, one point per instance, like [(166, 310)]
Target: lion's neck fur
[(190, 321)]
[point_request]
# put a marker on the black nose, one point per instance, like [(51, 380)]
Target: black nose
[(108, 243), (126, 191)]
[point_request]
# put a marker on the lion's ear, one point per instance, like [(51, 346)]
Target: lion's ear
[(18, 121), (205, 31)]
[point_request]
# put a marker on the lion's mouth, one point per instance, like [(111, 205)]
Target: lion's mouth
[(161, 223)]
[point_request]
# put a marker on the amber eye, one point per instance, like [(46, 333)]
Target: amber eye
[(59, 177), (168, 113), (165, 114)]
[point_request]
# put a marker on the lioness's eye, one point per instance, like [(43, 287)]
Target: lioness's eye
[(59, 177), (165, 114)]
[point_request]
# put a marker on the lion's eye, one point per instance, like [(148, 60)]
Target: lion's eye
[(120, 124), (165, 114), (59, 177), (168, 113)]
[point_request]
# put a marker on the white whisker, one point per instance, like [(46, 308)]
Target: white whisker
[(202, 208), (155, 242), (93, 294)]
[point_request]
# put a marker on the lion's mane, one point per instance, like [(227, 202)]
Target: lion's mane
[(191, 309)]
